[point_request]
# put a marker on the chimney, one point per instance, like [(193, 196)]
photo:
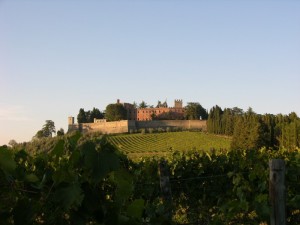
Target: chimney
[(118, 101)]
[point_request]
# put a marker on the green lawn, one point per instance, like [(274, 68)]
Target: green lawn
[(138, 145)]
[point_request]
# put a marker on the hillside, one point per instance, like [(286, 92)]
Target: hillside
[(81, 176), (138, 145)]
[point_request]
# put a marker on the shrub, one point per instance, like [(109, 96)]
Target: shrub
[(151, 130), (160, 130)]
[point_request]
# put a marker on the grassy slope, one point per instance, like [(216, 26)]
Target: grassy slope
[(136, 145)]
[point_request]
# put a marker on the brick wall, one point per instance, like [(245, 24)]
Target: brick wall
[(146, 113)]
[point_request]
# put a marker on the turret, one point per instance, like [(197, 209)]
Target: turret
[(178, 103), (70, 120)]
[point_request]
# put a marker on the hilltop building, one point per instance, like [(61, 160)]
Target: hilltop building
[(131, 110), (161, 116), (160, 112)]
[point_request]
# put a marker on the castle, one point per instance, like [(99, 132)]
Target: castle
[(142, 118), (162, 111)]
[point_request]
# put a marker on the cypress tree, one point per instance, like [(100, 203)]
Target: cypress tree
[(81, 117)]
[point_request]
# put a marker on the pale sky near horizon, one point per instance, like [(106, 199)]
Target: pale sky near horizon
[(59, 56)]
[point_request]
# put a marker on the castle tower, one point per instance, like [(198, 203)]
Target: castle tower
[(70, 120), (178, 103)]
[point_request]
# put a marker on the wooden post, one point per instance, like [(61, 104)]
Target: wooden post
[(165, 187), (277, 191)]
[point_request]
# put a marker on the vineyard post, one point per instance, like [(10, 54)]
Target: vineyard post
[(165, 187), (277, 191)]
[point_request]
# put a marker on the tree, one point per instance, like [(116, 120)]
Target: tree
[(94, 114), (250, 111), (287, 131), (48, 128), (39, 134), (237, 111), (270, 130), (89, 116), (194, 111), (81, 117), (143, 105), (293, 116), (115, 112), (227, 121), (12, 143), (168, 116), (135, 105), (249, 133), (214, 122), (60, 132), (153, 116)]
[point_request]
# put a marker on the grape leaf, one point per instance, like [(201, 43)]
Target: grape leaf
[(7, 162), (136, 208), (70, 196)]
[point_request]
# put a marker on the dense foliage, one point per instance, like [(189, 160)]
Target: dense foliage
[(195, 111), (89, 116), (47, 130), (80, 181), (143, 105), (167, 116), (85, 180), (253, 131), (115, 112)]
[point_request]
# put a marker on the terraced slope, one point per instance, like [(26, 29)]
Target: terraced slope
[(136, 145)]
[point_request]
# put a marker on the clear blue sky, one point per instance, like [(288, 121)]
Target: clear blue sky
[(59, 56)]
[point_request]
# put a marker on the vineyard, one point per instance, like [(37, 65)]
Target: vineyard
[(83, 179), (163, 144)]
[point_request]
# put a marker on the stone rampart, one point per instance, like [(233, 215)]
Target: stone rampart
[(124, 126), (185, 124)]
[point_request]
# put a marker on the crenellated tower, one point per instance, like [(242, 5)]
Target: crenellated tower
[(178, 103)]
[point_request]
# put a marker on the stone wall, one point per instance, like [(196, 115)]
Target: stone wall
[(185, 124), (124, 126)]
